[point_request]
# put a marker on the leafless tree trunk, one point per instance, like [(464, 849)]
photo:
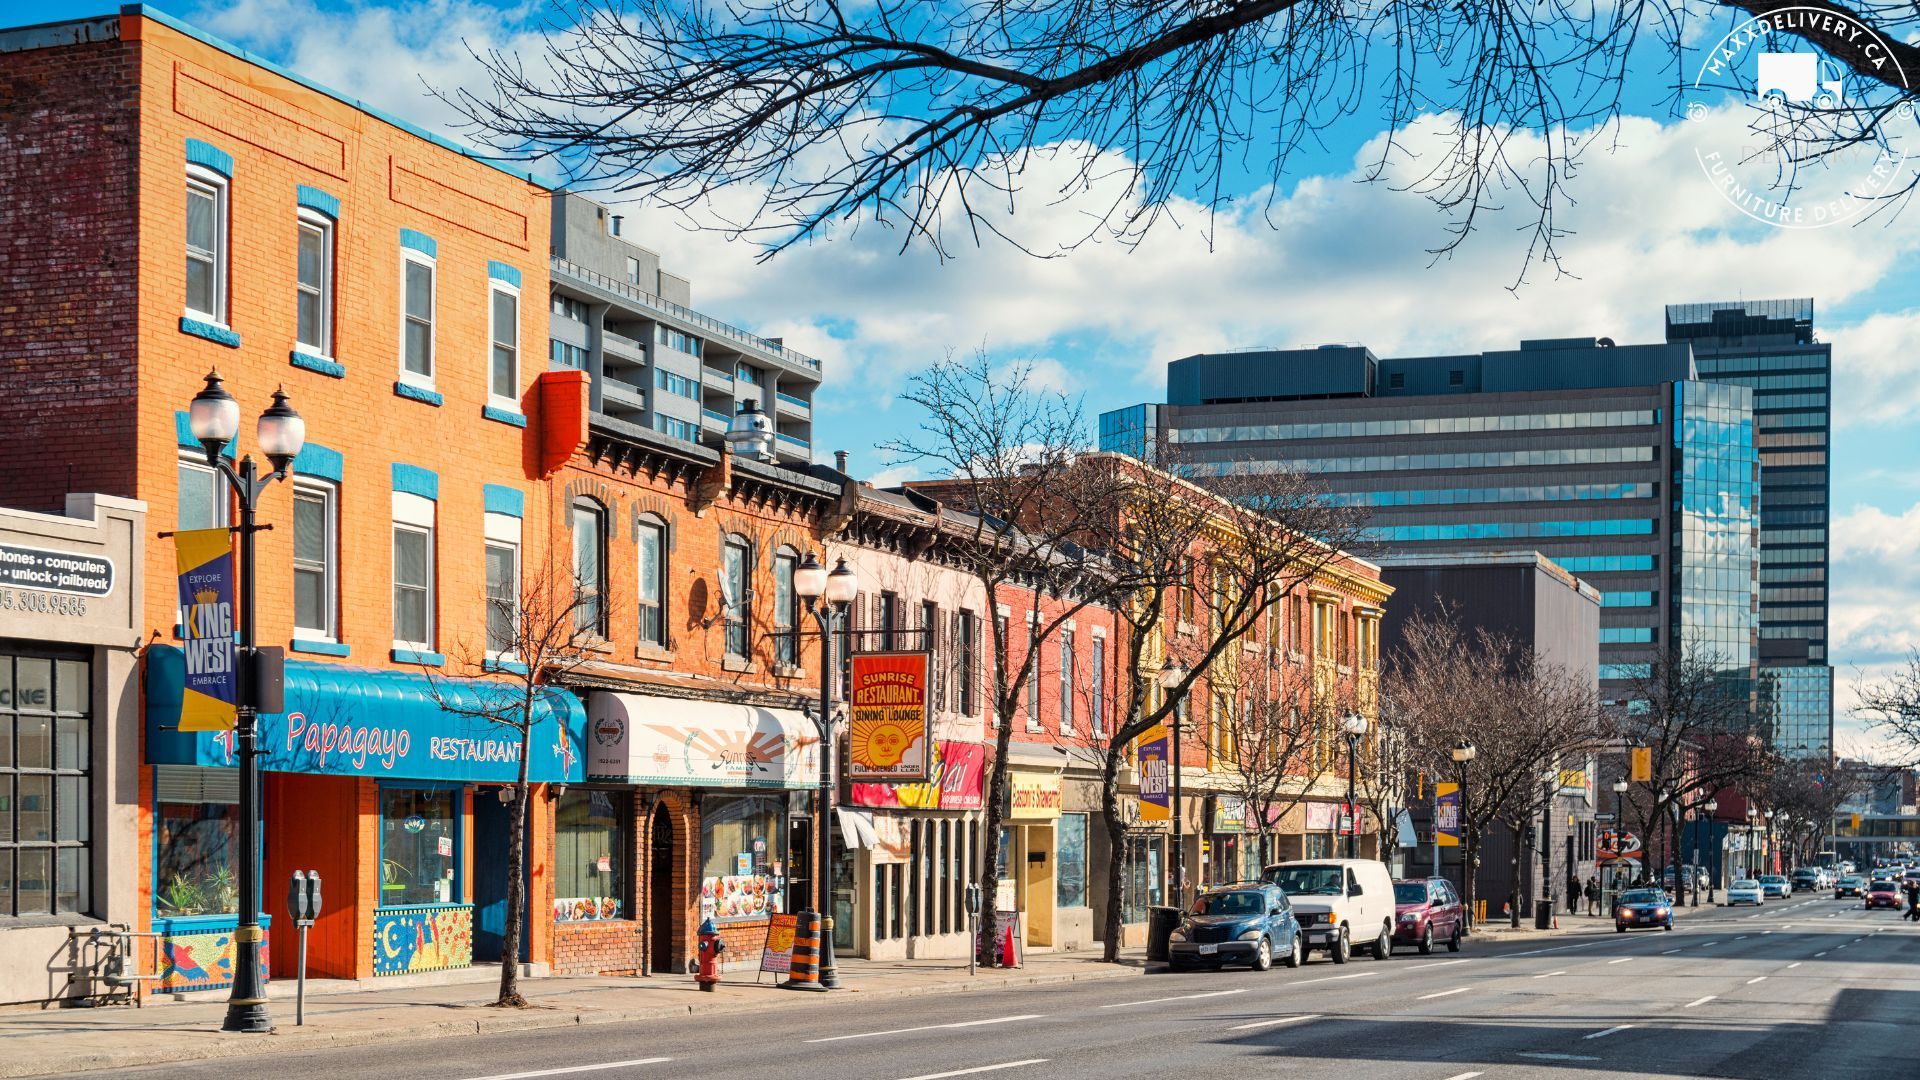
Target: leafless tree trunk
[(534, 638)]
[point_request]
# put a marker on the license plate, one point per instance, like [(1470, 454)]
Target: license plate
[(1209, 950)]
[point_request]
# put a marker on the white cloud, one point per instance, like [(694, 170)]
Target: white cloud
[(1875, 594), (1874, 368)]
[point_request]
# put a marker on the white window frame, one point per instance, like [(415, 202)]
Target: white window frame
[(1067, 664), (512, 404), (415, 513), (1034, 694), (414, 378), (314, 219), (222, 189), (658, 528), (1096, 681), (223, 497), (501, 530), (329, 496)]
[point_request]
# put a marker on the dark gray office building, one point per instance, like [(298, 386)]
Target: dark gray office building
[(1617, 462), (1769, 346)]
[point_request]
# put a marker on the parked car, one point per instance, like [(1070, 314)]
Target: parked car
[(1775, 885), (1644, 908), (1746, 891), (1851, 885), (1806, 879), (1341, 904), (1883, 893), (1427, 910), (1250, 922)]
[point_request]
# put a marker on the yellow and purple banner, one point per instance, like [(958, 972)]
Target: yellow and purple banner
[(204, 558), (1156, 791), (1446, 815)]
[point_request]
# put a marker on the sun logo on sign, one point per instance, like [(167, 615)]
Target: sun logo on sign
[(882, 745)]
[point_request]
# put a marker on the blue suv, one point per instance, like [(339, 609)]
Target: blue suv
[(1249, 922)]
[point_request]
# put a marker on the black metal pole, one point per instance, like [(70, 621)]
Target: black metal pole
[(1179, 841), (1543, 918), (1353, 823), (247, 1001), (1466, 849), (829, 977)]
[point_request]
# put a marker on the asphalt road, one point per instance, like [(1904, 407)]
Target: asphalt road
[(1799, 988)]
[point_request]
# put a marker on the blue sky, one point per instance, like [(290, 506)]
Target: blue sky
[(1335, 260)]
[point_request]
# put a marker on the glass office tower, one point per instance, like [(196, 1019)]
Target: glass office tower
[(1715, 530), (1769, 346)]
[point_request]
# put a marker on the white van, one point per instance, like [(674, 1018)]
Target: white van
[(1342, 904)]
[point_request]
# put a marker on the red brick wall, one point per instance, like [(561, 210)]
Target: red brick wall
[(604, 948), (68, 231)]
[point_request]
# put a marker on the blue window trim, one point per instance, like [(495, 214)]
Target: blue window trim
[(459, 841), (420, 242), (415, 393), (415, 480), (314, 199), (320, 462), (504, 416), (505, 667), (318, 648), (183, 434), (219, 335), (331, 368), (209, 156), (415, 656), (504, 500), (499, 271)]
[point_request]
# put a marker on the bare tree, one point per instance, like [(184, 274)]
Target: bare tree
[(1007, 452), (1279, 731), (926, 117), (1524, 717), (1891, 707), (534, 638), (1204, 552)]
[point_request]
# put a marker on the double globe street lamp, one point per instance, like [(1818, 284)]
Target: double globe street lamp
[(1355, 725), (1172, 674), (214, 419), (813, 583), (1463, 754)]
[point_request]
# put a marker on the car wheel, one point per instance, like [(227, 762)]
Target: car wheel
[(1453, 941), (1383, 945), (1426, 941), (1619, 928), (1341, 950), (1298, 954), (1263, 955)]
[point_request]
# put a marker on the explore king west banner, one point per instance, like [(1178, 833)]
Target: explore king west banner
[(1446, 815), (1156, 794), (204, 559), (889, 726)]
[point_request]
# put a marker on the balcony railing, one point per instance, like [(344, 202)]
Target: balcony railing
[(798, 402), (795, 440), (685, 314), (715, 414), (715, 373)]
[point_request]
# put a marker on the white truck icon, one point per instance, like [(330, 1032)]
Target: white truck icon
[(1794, 78)]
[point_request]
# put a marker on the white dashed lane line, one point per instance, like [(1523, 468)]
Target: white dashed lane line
[(1698, 1001), (1610, 1031), (1444, 993)]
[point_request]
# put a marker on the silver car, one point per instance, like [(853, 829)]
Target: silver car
[(1746, 891)]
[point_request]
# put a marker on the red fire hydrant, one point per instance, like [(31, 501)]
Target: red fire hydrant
[(710, 949)]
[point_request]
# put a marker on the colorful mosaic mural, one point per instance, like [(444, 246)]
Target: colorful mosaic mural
[(425, 938), (197, 954)]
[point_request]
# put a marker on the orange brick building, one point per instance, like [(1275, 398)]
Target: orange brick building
[(223, 214)]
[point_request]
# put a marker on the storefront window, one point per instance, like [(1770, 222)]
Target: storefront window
[(742, 863), (590, 833), (1143, 878), (1070, 877), (418, 845), (45, 735), (196, 841)]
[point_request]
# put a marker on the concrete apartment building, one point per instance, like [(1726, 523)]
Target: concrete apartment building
[(1769, 346), (1617, 462), (654, 361)]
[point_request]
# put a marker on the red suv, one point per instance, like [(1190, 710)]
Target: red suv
[(1427, 910)]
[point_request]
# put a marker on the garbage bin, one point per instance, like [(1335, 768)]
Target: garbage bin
[(1161, 922)]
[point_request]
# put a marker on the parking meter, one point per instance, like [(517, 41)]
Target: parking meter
[(303, 905)]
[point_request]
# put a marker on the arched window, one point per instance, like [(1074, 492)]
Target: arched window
[(650, 537), (590, 566), (786, 610), (736, 567)]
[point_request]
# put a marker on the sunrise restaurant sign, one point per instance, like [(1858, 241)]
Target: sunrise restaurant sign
[(890, 727)]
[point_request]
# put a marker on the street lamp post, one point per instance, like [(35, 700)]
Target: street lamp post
[(1543, 915), (1712, 807), (812, 583), (1462, 754), (214, 418), (1770, 858), (1355, 725), (1171, 674), (1619, 825)]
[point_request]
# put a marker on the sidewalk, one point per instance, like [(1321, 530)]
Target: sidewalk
[(60, 1041)]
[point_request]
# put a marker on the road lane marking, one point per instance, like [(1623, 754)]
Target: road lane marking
[(1622, 960), (1465, 1076), (929, 1027), (1795, 964), (1561, 948), (1699, 1001), (1704, 944), (1755, 979), (1543, 1055), (1742, 937), (1670, 952), (1275, 1022), (576, 1069), (1155, 1001), (979, 1069), (1818, 955), (1439, 963), (1842, 945), (1330, 978), (1444, 993), (1549, 975), (1610, 1031)]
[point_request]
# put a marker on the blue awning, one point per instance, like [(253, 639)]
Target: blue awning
[(350, 721)]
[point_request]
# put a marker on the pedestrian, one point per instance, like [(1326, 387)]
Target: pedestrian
[(1593, 895), (1913, 899)]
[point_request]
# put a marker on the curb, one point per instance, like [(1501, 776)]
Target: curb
[(215, 1045)]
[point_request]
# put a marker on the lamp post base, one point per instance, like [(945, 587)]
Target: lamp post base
[(248, 1017)]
